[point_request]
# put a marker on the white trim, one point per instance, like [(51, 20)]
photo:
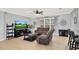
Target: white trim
[(2, 39)]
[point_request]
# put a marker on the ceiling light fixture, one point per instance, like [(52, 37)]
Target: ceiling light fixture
[(38, 12)]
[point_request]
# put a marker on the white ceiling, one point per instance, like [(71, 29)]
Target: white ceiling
[(28, 12)]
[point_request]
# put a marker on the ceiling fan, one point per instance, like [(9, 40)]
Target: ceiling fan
[(38, 12)]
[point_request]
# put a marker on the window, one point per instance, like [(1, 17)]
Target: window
[(47, 22)]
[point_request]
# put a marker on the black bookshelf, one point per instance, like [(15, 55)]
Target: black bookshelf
[(9, 31)]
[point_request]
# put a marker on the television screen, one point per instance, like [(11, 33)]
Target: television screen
[(20, 24)]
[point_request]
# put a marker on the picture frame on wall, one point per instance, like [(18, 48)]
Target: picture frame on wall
[(75, 20)]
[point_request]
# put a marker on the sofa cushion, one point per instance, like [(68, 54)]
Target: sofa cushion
[(42, 37), (42, 30)]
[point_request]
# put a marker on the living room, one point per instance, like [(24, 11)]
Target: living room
[(40, 22)]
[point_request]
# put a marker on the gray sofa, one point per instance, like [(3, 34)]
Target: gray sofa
[(45, 38)]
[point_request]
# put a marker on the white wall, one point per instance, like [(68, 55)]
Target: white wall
[(58, 25), (11, 18), (2, 26), (74, 26), (78, 22), (77, 25)]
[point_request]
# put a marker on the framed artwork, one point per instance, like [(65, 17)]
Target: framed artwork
[(75, 20)]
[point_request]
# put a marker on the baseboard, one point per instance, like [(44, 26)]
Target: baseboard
[(56, 34), (2, 39)]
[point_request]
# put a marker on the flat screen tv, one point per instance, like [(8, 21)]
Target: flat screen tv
[(20, 24)]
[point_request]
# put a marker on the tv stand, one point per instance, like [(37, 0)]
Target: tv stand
[(63, 32), (21, 32)]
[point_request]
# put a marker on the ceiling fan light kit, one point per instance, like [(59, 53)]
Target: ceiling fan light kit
[(38, 12)]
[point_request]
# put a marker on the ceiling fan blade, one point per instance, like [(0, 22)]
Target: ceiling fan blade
[(41, 12)]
